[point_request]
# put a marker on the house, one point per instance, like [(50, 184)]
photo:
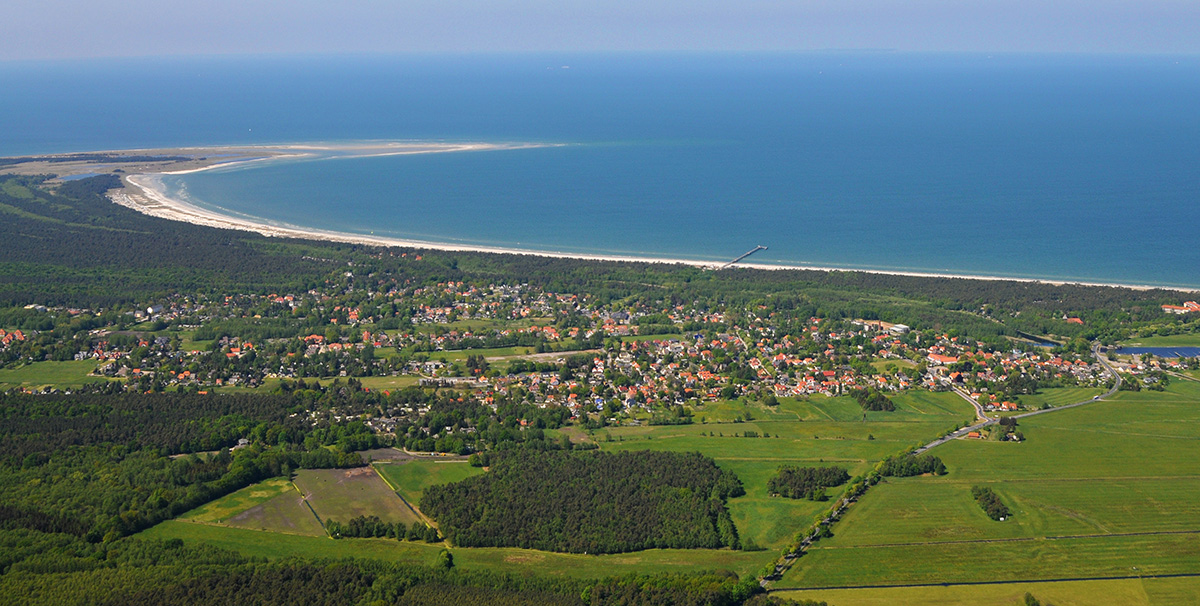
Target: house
[(1187, 307)]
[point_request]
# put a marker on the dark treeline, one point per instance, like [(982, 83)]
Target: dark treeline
[(589, 502), (990, 502), (36, 425), (806, 482), (371, 527), (910, 465)]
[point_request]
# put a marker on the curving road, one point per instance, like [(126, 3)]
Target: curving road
[(979, 410)]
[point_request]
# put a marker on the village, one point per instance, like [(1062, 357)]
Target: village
[(634, 362)]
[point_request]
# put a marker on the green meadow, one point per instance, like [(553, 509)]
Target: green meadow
[(275, 545), (410, 478), (819, 431), (1103, 490), (1126, 592), (58, 374)]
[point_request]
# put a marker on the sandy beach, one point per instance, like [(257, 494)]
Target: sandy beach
[(144, 193)]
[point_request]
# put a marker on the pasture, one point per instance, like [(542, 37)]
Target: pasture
[(411, 477), (274, 545), (343, 494), (1060, 396), (58, 374), (1126, 592), (1109, 489), (272, 505), (817, 432)]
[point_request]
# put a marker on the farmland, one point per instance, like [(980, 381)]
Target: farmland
[(342, 494), (1106, 490)]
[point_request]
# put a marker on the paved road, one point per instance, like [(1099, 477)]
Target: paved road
[(789, 559), (979, 410)]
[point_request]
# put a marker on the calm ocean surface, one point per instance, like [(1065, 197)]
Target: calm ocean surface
[(1060, 167)]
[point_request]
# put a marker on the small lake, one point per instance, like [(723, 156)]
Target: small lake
[(1162, 352)]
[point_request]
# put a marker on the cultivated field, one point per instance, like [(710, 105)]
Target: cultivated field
[(343, 494), (273, 505), (1106, 490)]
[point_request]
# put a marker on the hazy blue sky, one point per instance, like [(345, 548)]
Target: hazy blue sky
[(83, 28)]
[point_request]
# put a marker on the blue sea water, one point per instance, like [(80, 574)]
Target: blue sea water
[(1162, 352), (1046, 166)]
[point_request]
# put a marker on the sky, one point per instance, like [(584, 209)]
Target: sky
[(53, 29)]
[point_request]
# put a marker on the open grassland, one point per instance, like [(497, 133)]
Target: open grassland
[(237, 502), (410, 478), (1109, 489), (275, 546), (59, 374), (343, 494), (1126, 592), (1074, 558), (1060, 396), (817, 432), (272, 505)]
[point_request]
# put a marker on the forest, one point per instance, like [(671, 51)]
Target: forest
[(589, 502), (806, 482)]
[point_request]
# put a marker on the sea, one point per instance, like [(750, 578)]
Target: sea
[(1062, 167)]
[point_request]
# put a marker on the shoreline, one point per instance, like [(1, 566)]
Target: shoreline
[(142, 195)]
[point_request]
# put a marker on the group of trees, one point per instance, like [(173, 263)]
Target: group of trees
[(990, 502), (903, 466), (589, 502), (806, 482), (870, 399), (369, 527)]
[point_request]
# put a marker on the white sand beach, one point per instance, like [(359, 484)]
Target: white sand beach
[(144, 193)]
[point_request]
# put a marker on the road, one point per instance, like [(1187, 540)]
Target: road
[(979, 410), (789, 559)]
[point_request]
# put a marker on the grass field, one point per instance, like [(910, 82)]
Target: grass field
[(412, 477), (237, 502), (343, 494), (820, 431), (1083, 480), (275, 546), (1126, 592), (59, 374), (272, 505), (1060, 396)]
